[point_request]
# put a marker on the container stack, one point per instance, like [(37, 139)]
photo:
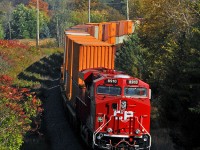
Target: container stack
[(91, 45), (118, 31), (111, 32), (81, 52)]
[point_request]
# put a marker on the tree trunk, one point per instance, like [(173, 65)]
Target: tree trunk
[(38, 26), (58, 33), (9, 27)]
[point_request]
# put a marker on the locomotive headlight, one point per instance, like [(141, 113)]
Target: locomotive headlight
[(145, 138), (137, 131), (123, 104)]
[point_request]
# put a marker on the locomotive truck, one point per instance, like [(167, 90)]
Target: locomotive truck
[(109, 109)]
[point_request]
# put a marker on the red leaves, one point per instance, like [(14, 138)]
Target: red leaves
[(15, 107), (40, 109), (34, 100), (10, 92), (24, 90), (12, 44), (4, 79), (42, 5), (20, 100)]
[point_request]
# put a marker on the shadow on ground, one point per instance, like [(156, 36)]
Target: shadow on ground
[(57, 134), (44, 70)]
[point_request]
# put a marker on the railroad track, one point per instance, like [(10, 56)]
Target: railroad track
[(57, 129)]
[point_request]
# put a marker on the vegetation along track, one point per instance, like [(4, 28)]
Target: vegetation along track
[(55, 126)]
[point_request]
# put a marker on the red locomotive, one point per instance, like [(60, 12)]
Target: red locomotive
[(110, 108), (113, 110)]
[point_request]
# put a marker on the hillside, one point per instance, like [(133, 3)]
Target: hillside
[(165, 53), (21, 75)]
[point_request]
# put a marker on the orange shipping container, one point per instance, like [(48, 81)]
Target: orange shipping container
[(82, 52), (120, 28), (125, 27), (106, 29), (130, 27), (98, 32), (113, 29)]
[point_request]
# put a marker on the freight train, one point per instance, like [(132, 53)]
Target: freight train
[(108, 108)]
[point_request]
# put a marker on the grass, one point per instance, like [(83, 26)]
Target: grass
[(26, 66), (3, 66), (49, 42), (16, 60)]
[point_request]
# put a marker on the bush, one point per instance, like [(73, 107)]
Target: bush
[(12, 44), (1, 32), (17, 108)]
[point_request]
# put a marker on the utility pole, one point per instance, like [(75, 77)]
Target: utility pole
[(38, 26), (127, 10), (89, 11)]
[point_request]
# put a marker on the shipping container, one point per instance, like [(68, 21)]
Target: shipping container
[(113, 29), (82, 52), (87, 28), (130, 27), (105, 33), (97, 30), (120, 28)]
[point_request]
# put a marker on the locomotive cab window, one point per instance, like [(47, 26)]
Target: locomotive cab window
[(135, 91), (110, 90)]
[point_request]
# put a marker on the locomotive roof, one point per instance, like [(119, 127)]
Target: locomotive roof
[(114, 74), (100, 73), (103, 72)]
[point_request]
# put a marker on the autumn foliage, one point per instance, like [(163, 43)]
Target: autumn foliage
[(12, 44), (18, 108), (42, 5)]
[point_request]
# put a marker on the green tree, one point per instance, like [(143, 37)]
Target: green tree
[(98, 16), (179, 93), (170, 31), (24, 22), (134, 9), (10, 137), (119, 5), (6, 8), (1, 32), (131, 57), (59, 19), (18, 107)]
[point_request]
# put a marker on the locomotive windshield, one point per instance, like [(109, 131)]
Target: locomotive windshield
[(110, 90), (135, 91)]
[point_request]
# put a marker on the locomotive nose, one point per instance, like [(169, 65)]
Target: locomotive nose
[(123, 123)]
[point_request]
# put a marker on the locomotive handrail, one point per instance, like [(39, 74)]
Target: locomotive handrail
[(104, 124), (101, 127), (146, 132)]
